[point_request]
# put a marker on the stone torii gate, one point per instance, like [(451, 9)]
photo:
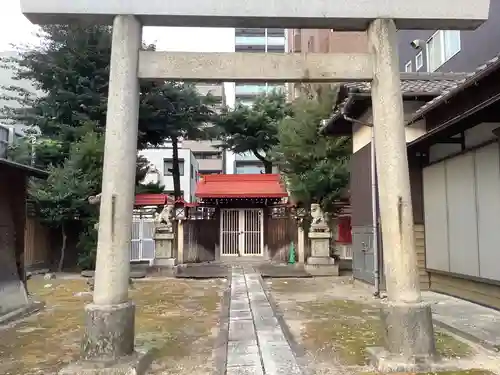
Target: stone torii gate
[(109, 326)]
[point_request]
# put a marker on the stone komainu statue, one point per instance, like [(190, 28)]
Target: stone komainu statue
[(95, 199), (164, 219), (318, 223)]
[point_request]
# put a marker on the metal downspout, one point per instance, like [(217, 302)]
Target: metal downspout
[(376, 257), (376, 263)]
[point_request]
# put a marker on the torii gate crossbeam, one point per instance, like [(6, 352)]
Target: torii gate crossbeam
[(109, 330), (255, 67), (341, 15)]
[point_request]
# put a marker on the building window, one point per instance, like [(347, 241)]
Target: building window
[(419, 61), (310, 44), (168, 164), (191, 169), (408, 67), (249, 167), (250, 40), (207, 155), (441, 47), (452, 43)]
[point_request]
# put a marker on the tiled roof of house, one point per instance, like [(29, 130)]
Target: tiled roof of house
[(241, 186), (142, 200), (459, 85), (417, 86)]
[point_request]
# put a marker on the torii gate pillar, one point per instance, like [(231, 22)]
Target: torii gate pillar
[(409, 339)]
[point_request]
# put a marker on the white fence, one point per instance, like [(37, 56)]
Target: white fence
[(143, 243)]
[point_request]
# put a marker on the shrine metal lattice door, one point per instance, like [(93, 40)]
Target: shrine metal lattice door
[(242, 232), (143, 244)]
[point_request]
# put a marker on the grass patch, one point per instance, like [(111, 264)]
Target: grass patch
[(448, 346), (171, 315), (461, 372), (346, 328), (343, 328)]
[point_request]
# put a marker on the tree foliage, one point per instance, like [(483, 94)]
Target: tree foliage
[(67, 113), (178, 111), (254, 128), (61, 200), (150, 188), (36, 151), (70, 71), (315, 166)]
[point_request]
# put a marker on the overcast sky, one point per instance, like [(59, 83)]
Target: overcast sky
[(16, 29)]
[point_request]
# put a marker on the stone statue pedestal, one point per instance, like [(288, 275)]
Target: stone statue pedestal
[(164, 245), (320, 263)]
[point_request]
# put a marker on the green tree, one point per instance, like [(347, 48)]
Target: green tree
[(150, 188), (61, 199), (70, 71), (36, 150), (254, 129), (179, 112), (315, 167)]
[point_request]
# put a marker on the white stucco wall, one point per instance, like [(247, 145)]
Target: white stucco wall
[(156, 157), (462, 206), (362, 135)]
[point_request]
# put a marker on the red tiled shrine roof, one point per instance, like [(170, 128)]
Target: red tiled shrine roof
[(150, 199), (240, 186)]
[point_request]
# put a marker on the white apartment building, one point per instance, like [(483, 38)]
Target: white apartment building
[(252, 40), (160, 160)]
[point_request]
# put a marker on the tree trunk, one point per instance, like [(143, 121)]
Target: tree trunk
[(175, 169), (268, 165), (63, 248)]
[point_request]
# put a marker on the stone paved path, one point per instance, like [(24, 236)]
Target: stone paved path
[(257, 345)]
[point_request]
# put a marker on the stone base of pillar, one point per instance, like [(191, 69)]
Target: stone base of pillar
[(109, 331), (137, 363), (321, 267), (321, 260), (165, 262), (409, 339), (108, 343)]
